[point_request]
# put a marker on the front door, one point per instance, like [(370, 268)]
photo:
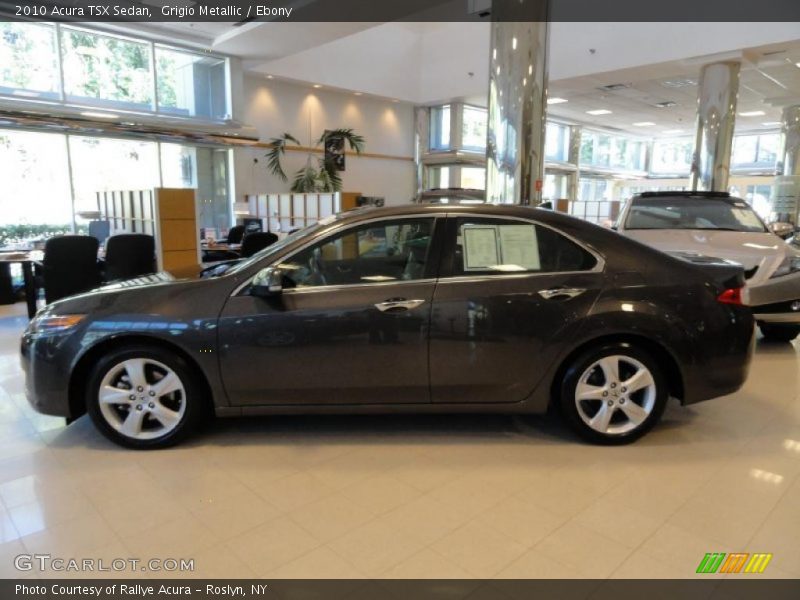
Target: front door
[(350, 327), (510, 290)]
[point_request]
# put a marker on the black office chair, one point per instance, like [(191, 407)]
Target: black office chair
[(129, 255), (235, 234), (69, 266), (253, 242)]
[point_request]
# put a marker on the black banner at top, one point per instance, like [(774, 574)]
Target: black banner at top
[(245, 11)]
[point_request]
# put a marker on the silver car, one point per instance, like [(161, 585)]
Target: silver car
[(717, 225)]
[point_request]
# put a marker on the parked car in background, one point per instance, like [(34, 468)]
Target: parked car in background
[(718, 226), (420, 308)]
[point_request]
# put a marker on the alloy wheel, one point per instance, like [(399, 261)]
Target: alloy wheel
[(142, 398), (615, 395)]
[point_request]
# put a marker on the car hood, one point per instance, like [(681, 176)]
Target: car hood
[(763, 250)]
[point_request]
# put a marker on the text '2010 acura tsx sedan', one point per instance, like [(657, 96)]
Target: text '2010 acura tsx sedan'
[(438, 308)]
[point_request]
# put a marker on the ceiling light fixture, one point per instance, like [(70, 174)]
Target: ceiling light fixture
[(514, 44), (644, 124), (557, 100), (99, 115), (599, 111), (357, 93), (752, 113), (270, 77), (317, 85), (666, 104), (771, 123)]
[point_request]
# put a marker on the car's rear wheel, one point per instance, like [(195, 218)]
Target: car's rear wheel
[(779, 333), (143, 397), (613, 394)]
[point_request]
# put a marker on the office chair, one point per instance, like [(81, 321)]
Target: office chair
[(69, 266), (253, 242), (129, 255), (235, 234)]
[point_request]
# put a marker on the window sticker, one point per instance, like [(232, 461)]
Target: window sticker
[(519, 248), (480, 247), (504, 248)]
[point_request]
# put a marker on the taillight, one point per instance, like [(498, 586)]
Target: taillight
[(731, 296)]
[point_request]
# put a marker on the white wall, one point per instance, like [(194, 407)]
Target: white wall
[(275, 107)]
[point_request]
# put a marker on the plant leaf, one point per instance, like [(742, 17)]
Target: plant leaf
[(278, 149), (355, 141), (305, 180)]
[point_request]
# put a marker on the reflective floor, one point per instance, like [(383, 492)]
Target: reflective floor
[(426, 496)]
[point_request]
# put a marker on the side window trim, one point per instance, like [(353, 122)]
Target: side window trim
[(448, 271)]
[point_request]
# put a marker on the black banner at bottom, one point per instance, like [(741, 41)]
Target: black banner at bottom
[(418, 589)]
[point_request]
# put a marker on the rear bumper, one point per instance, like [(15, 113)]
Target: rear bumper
[(726, 364)]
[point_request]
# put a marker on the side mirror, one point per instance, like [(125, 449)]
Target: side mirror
[(267, 283), (782, 230)]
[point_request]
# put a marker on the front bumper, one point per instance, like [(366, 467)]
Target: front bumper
[(46, 375)]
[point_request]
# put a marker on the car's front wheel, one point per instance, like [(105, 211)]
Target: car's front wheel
[(779, 333), (613, 394), (143, 397)]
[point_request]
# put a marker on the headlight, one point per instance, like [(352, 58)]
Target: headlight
[(790, 264), (53, 323)]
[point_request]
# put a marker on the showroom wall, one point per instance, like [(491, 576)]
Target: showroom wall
[(275, 107)]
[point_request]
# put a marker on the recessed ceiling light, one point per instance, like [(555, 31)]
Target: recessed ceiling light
[(599, 111), (357, 93), (772, 123), (613, 87), (270, 77), (644, 124), (395, 100), (666, 104), (317, 85), (557, 100), (797, 64), (99, 115), (752, 113)]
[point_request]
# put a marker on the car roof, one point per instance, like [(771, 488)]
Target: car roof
[(672, 196), (479, 210)]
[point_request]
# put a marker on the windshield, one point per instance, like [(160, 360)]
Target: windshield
[(276, 247), (693, 213)]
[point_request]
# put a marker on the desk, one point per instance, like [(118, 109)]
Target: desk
[(26, 259)]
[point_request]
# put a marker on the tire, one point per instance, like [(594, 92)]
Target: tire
[(779, 333), (161, 417), (591, 374)]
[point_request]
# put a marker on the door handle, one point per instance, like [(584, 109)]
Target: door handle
[(398, 304), (561, 291)]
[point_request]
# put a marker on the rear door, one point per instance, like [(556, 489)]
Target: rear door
[(509, 292)]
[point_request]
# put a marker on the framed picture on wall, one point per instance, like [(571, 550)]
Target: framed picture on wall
[(334, 149)]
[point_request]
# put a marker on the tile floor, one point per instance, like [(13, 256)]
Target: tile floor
[(428, 496)]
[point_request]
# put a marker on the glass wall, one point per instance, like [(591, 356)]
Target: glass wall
[(556, 144), (36, 197), (754, 151), (473, 128), (29, 61), (106, 164), (672, 156), (604, 150), (440, 128), (110, 71), (49, 177)]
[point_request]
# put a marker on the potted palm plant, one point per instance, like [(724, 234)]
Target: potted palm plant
[(320, 173)]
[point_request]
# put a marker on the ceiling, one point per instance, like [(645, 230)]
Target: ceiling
[(769, 80), (433, 62)]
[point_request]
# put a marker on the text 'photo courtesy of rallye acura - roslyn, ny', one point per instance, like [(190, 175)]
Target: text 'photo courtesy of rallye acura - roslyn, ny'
[(428, 308)]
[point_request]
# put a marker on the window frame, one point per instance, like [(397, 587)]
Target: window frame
[(431, 268), (448, 273)]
